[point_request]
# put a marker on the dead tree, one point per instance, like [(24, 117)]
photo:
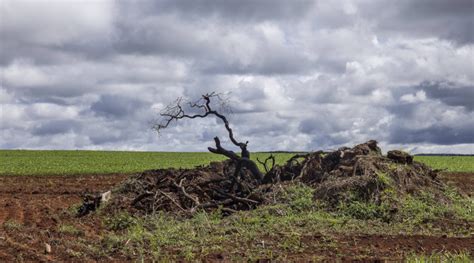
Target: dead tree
[(177, 111)]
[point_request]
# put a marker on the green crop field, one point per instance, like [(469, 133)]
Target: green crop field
[(449, 163), (25, 162)]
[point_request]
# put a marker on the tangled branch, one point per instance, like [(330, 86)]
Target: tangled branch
[(177, 111)]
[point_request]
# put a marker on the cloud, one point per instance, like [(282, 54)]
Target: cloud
[(451, 20), (450, 93), (40, 30), (56, 127), (247, 11), (116, 106), (300, 75), (443, 135)]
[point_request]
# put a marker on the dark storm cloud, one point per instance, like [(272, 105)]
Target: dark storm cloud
[(103, 138), (242, 11), (272, 64), (326, 125), (116, 106), (56, 127), (452, 20), (450, 93), (436, 134), (187, 30)]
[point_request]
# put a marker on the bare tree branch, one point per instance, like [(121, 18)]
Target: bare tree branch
[(264, 163), (176, 111)]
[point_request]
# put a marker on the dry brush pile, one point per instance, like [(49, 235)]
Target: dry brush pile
[(359, 173)]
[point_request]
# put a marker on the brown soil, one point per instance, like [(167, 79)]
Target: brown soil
[(39, 206), (463, 181), (33, 208)]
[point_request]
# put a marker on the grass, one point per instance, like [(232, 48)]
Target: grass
[(25, 162), (461, 257), (22, 162), (69, 230), (12, 225), (449, 163), (274, 231)]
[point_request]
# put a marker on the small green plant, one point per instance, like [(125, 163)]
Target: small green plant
[(73, 209), (73, 253), (12, 225), (291, 242), (384, 178), (298, 196), (460, 257), (112, 243), (120, 221), (365, 210), (70, 230), (462, 207), (421, 209)]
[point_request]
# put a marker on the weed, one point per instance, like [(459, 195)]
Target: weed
[(70, 230), (291, 242), (120, 221), (112, 242), (365, 210), (299, 197), (72, 210), (12, 225), (384, 178), (73, 253), (416, 210), (461, 257)]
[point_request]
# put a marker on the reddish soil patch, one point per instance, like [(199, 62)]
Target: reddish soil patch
[(464, 181), (33, 208), (393, 247)]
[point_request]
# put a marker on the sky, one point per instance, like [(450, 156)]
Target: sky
[(299, 75)]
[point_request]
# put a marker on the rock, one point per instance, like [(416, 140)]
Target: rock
[(400, 157), (47, 248), (105, 197)]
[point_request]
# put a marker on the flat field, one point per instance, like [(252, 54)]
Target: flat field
[(24, 162), (40, 190)]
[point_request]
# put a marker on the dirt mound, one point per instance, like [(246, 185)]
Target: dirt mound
[(360, 173)]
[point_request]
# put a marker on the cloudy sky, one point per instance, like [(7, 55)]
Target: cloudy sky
[(300, 75)]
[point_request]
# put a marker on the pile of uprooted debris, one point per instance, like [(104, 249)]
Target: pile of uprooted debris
[(360, 172)]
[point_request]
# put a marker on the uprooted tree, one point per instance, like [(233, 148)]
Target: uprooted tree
[(177, 112), (357, 174)]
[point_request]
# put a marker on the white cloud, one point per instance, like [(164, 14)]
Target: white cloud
[(55, 22), (22, 73)]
